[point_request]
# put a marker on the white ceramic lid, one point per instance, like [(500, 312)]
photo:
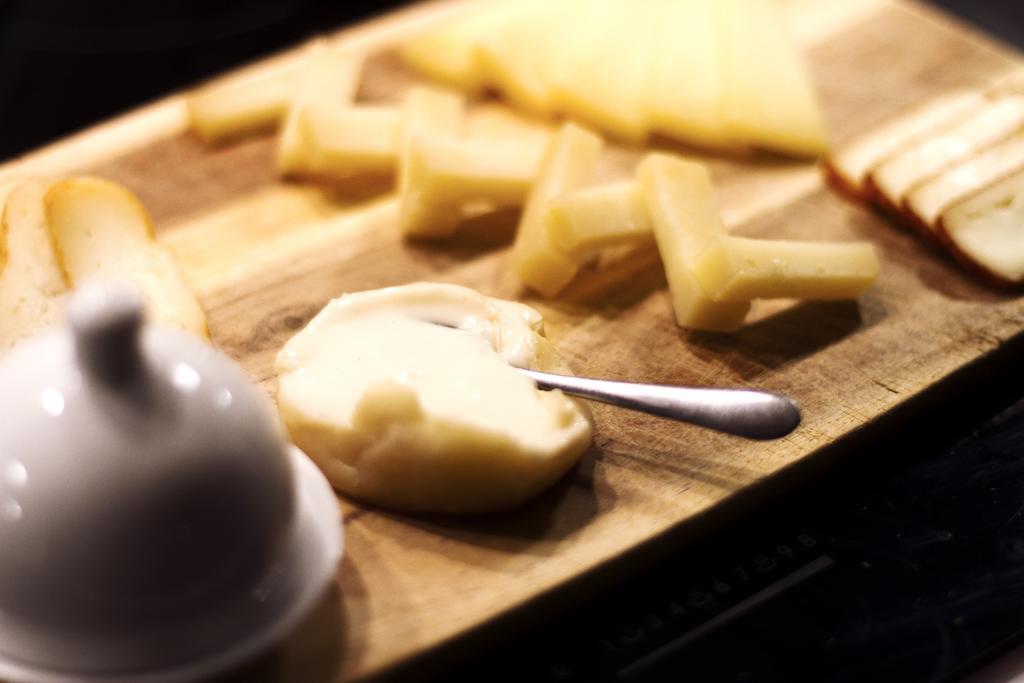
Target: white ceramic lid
[(152, 523)]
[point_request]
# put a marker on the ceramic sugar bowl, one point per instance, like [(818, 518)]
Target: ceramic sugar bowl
[(153, 523)]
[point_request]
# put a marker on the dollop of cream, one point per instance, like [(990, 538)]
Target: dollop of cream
[(409, 397)]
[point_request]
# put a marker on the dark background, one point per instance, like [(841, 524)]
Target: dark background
[(67, 63)]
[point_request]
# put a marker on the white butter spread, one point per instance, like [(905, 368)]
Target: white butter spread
[(408, 397)]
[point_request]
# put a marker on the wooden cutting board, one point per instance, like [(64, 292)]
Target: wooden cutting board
[(265, 256)]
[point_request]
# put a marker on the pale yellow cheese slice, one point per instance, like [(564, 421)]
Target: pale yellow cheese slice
[(988, 229), (852, 162), (767, 97), (224, 110), (568, 163), (927, 199), (515, 57), (896, 175), (741, 269), (681, 203), (32, 282), (342, 142), (448, 53), (328, 80), (602, 84), (448, 173), (682, 79), (496, 121), (428, 113), (573, 48), (599, 217)]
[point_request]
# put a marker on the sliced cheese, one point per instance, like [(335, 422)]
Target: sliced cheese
[(601, 85), (101, 230), (428, 113), (682, 79), (448, 53), (514, 57), (574, 48), (741, 269), (225, 110), (987, 229), (342, 142), (599, 217), (328, 81), (32, 282), (896, 175), (495, 121), (767, 99), (568, 163), (449, 173), (927, 199), (681, 203), (408, 397), (852, 163)]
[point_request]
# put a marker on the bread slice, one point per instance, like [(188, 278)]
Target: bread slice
[(924, 203), (100, 230), (897, 175), (848, 166), (986, 231), (32, 283)]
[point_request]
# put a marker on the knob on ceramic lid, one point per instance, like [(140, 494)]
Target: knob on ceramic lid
[(151, 516), (106, 322)]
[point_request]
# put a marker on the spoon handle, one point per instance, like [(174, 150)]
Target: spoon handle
[(743, 412)]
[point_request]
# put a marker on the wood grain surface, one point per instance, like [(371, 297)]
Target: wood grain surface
[(265, 256)]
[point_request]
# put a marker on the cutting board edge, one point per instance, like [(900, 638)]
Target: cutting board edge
[(576, 590)]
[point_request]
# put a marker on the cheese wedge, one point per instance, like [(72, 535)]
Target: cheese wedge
[(741, 269), (101, 230), (926, 200), (602, 85), (897, 175), (851, 163), (226, 110), (448, 53), (681, 203), (573, 48), (428, 113), (767, 99), (514, 57), (342, 142), (568, 163), (451, 173), (328, 81), (32, 283), (432, 414), (599, 217), (986, 230), (684, 50)]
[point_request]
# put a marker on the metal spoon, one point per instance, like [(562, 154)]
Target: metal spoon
[(743, 412)]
